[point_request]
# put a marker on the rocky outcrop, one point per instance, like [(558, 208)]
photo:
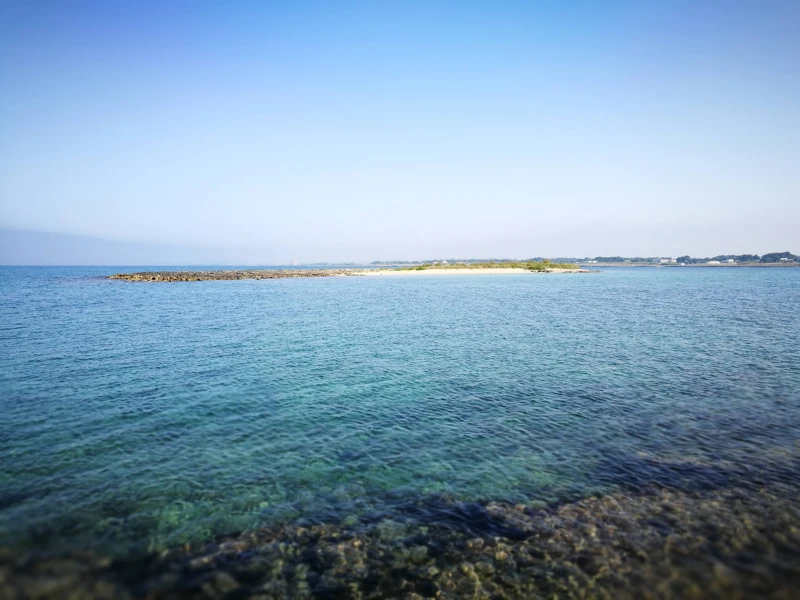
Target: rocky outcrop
[(158, 276)]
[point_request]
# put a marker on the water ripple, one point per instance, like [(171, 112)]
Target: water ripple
[(138, 417)]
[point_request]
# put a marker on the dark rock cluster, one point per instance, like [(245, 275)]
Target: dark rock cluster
[(232, 274), (656, 544)]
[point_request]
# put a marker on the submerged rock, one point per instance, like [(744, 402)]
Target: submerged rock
[(656, 544)]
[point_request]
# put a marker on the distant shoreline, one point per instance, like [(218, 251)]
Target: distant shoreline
[(704, 265)]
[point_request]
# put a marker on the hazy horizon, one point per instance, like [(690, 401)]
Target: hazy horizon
[(258, 134), (39, 248)]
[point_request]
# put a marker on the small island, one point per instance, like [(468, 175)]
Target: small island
[(434, 268)]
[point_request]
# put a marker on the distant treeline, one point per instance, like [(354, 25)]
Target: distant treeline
[(722, 258), (772, 257)]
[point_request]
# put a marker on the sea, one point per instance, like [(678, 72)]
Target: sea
[(142, 420)]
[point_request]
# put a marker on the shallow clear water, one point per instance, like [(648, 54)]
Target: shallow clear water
[(138, 416)]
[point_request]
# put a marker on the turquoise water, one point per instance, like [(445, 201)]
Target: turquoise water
[(140, 416)]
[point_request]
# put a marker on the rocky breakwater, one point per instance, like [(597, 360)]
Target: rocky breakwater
[(160, 276)]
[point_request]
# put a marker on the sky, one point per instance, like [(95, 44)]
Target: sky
[(269, 132)]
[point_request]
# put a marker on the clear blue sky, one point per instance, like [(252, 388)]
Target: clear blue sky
[(349, 131)]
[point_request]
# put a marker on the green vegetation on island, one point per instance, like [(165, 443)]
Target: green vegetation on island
[(538, 266)]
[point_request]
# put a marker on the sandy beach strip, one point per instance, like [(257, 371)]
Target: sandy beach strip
[(498, 271)]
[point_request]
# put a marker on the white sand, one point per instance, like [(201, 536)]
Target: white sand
[(397, 272)]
